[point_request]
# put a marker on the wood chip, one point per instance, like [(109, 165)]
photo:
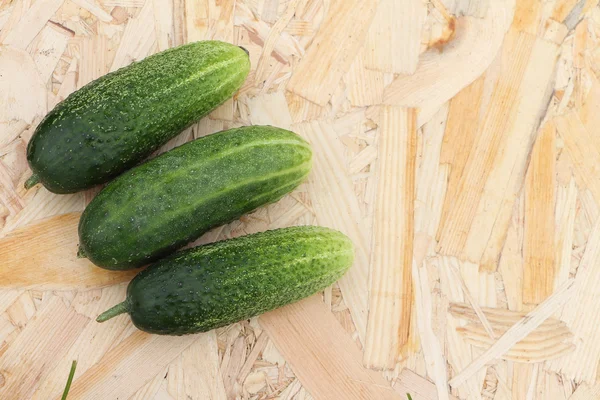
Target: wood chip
[(534, 355), (432, 350), (124, 3), (232, 368), (300, 28), (363, 159), (474, 47), (527, 16), (462, 353), (461, 128), (21, 310), (565, 224), (95, 9), (92, 343), (44, 256), (588, 112), (398, 22), (35, 352), (552, 339), (15, 14), (259, 346), (4, 17), (518, 331), (138, 39), (391, 291), (418, 387), (22, 89), (538, 337), (585, 158), (196, 373), (32, 23), (481, 211), (539, 241), (270, 11), (93, 63), (336, 43), (8, 195), (270, 109), (580, 313), (311, 340), (500, 317), (48, 48), (365, 86), (467, 294), (285, 47), (154, 388), (586, 392), (432, 180), (128, 366), (510, 266), (563, 8), (269, 44), (42, 204), (476, 8), (163, 24)]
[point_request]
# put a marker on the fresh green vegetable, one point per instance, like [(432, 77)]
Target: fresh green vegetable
[(69, 380), (209, 286), (159, 206), (116, 121)]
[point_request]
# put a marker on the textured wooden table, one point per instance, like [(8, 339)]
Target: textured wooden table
[(456, 143)]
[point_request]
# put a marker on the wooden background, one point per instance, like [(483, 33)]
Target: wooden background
[(455, 141)]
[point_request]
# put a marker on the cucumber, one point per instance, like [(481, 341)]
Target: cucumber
[(210, 286), (159, 206), (116, 121)]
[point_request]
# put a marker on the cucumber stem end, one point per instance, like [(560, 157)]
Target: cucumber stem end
[(32, 181), (113, 312), (81, 252)]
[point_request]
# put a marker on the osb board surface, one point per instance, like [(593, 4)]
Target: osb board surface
[(455, 143)]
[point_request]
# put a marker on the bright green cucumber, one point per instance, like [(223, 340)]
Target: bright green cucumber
[(114, 122), (209, 286), (159, 206)]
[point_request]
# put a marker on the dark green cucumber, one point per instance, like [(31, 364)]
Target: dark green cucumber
[(210, 286), (159, 206), (116, 121)]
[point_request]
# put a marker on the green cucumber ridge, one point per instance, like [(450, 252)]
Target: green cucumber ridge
[(200, 97), (163, 204), (198, 77), (239, 185), (213, 285), (117, 120), (286, 188), (179, 173), (104, 83)]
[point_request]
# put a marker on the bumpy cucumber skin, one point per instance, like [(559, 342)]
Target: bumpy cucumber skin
[(161, 205), (114, 122), (210, 286)]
